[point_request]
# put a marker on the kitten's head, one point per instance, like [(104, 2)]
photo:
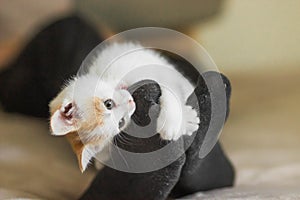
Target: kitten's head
[(90, 112)]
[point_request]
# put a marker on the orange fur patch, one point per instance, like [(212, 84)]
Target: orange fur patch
[(76, 145), (98, 110), (95, 119)]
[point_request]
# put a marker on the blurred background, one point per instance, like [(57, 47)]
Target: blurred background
[(255, 43)]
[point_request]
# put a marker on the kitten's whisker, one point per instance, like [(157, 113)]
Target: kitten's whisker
[(121, 138), (117, 140), (119, 152), (123, 157), (114, 141), (122, 141), (127, 141), (125, 137), (111, 157)]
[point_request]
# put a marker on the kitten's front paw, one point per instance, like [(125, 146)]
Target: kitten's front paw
[(190, 120), (171, 126), (169, 132), (168, 124)]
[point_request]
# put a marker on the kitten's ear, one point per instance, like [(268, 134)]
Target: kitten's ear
[(63, 120), (84, 155), (56, 103), (84, 158)]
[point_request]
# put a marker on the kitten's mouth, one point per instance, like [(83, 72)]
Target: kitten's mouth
[(121, 123)]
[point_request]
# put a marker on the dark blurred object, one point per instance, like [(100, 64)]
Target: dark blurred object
[(44, 65), (123, 15), (187, 175), (215, 170)]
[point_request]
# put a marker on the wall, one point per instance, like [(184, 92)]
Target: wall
[(255, 34)]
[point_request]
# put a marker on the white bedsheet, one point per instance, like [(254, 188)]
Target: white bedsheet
[(35, 165)]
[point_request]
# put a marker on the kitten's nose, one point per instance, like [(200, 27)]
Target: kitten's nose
[(131, 103)]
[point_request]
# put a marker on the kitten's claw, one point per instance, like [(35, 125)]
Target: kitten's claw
[(170, 128), (170, 134), (190, 119)]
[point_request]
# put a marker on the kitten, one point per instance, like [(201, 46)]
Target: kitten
[(95, 110), (97, 105)]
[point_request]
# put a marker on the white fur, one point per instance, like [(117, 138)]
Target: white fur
[(131, 63)]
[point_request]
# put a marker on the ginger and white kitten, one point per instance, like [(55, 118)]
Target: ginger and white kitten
[(91, 108), (90, 112)]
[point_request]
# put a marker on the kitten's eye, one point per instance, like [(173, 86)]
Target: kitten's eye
[(109, 104)]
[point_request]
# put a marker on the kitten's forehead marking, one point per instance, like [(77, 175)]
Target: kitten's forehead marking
[(95, 117), (98, 109)]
